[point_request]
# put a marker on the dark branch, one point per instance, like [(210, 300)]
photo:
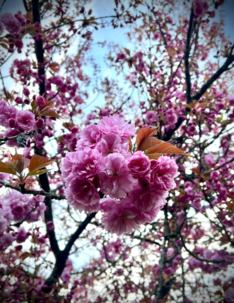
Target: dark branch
[(186, 59), (215, 76), (3, 140), (195, 256), (26, 6), (63, 255), (34, 192), (43, 179)]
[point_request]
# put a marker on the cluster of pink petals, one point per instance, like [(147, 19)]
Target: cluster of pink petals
[(200, 7), (135, 188), (11, 23), (18, 207), (15, 26), (15, 121)]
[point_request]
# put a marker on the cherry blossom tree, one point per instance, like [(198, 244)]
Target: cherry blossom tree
[(143, 182)]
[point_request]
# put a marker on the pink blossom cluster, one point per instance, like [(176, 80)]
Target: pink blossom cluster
[(18, 207), (64, 86), (21, 70), (135, 188), (69, 140), (14, 25), (16, 121), (200, 7)]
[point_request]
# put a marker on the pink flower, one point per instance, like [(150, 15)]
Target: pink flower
[(83, 164), (171, 117), (198, 10), (214, 175), (65, 276), (139, 165), (231, 100), (40, 123), (82, 195), (111, 143), (11, 23), (5, 241), (22, 235), (150, 117), (106, 204), (229, 295), (3, 176), (170, 252), (26, 120), (120, 56), (147, 200), (115, 177), (163, 173), (168, 19), (18, 212), (11, 133), (119, 272), (122, 219), (6, 113), (19, 203), (50, 225), (3, 223), (210, 159), (40, 101), (116, 125), (89, 136), (3, 106), (26, 91)]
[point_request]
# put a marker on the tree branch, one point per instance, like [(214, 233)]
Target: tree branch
[(3, 140), (215, 76), (63, 255), (195, 256), (186, 59), (43, 179), (34, 192), (26, 6)]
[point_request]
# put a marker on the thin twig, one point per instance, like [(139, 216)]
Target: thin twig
[(34, 192), (195, 256), (186, 59), (215, 76)]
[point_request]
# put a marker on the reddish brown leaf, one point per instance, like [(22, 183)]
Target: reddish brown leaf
[(4, 45), (130, 144), (127, 51), (29, 16), (196, 170), (25, 255), (60, 139), (38, 162), (203, 104), (37, 172), (154, 156), (48, 105), (154, 147), (68, 125), (50, 113), (54, 66), (188, 106), (7, 168), (144, 134), (161, 147), (224, 240)]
